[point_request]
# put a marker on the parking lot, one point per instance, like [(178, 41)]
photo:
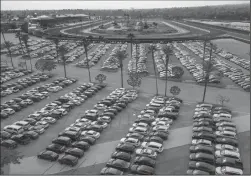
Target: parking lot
[(173, 159)]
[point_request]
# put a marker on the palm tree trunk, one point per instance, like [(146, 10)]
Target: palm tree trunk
[(131, 48), (121, 74), (64, 68), (156, 79), (23, 52), (167, 60), (86, 54), (203, 59), (29, 56), (8, 50), (207, 75)]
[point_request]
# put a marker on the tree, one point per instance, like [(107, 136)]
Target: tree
[(43, 64), (177, 72), (86, 43), (208, 68), (100, 78), (168, 51), (21, 64), (62, 51), (134, 79), (8, 44), (56, 42), (25, 38), (175, 90), (121, 55), (152, 49), (18, 35), (9, 156), (221, 99)]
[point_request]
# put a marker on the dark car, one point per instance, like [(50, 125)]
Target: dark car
[(4, 115), (203, 129), (125, 147), (118, 164), (68, 160), (143, 160), (121, 104), (161, 134), (142, 169), (31, 121), (75, 152), (227, 161), (110, 171), (21, 139), (112, 110), (204, 135), (15, 107), (48, 155), (201, 148), (226, 140), (202, 123), (154, 139), (204, 157), (122, 155), (62, 140), (57, 148), (8, 143), (5, 135), (96, 127), (196, 172), (74, 135), (202, 166), (109, 114), (31, 134), (145, 120), (81, 145), (90, 140), (118, 108)]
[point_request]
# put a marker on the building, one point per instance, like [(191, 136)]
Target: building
[(50, 21)]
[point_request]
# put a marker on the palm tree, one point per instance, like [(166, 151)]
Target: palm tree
[(121, 55), (152, 49), (56, 42), (25, 39), (86, 43), (131, 36), (8, 44), (18, 35), (208, 68), (62, 51), (168, 52)]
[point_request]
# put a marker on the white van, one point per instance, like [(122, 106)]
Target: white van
[(13, 129)]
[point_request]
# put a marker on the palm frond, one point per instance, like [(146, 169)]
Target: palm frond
[(121, 55), (62, 50), (168, 51), (209, 67), (152, 48)]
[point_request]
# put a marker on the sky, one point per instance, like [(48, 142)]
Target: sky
[(47, 5)]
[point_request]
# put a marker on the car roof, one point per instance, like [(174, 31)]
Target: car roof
[(155, 144)]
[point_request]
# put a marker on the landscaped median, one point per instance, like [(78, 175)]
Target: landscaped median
[(214, 148)]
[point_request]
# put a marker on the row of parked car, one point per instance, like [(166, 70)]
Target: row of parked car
[(23, 83), (195, 69), (236, 75), (79, 136), (94, 56), (34, 95), (13, 73), (22, 132), (214, 147), (112, 63), (32, 44), (235, 59), (145, 139), (141, 63)]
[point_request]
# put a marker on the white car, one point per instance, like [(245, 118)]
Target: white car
[(161, 128), (227, 153), (62, 111), (91, 133), (153, 145), (160, 123), (73, 128), (140, 130), (80, 125), (105, 119), (100, 106), (49, 120), (204, 105), (226, 170), (226, 128), (140, 124), (133, 141), (84, 120), (146, 152), (165, 119), (8, 111), (230, 134), (43, 123), (225, 124), (201, 141), (226, 147), (102, 124)]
